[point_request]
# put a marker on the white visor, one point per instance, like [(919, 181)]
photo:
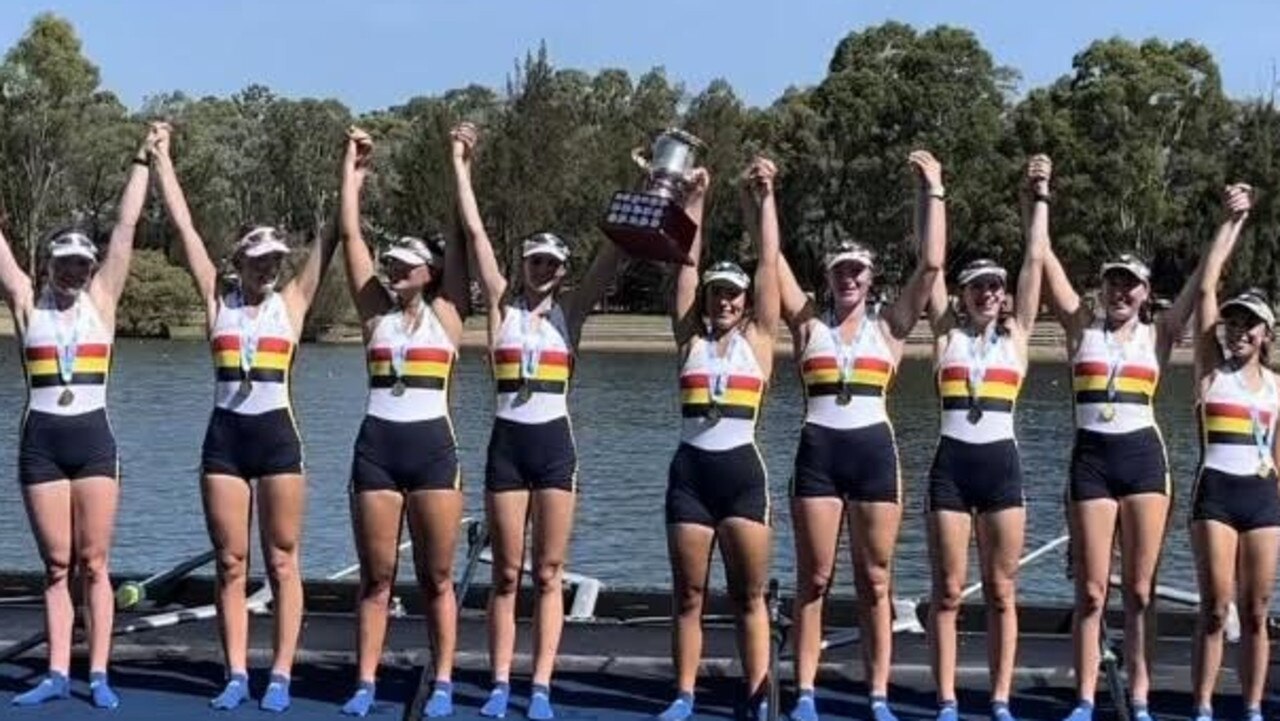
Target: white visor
[(1255, 305), (263, 240), (545, 244), (73, 245)]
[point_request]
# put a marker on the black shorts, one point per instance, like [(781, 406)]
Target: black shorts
[(857, 464), (706, 487), (251, 446), (975, 477), (56, 448), (531, 457), (1245, 503), (404, 456), (1107, 465)]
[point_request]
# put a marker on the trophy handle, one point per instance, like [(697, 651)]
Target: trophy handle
[(637, 154)]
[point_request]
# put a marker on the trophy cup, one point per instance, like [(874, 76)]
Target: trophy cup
[(651, 223)]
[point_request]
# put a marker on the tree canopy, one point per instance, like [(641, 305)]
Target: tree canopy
[(1141, 133)]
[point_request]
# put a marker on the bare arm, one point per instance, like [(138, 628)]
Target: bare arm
[(931, 233), (767, 301), (1063, 299), (1036, 223), (367, 293), (685, 314), (1208, 353), (14, 282), (604, 267), (492, 282), (202, 269), (108, 283), (797, 308)]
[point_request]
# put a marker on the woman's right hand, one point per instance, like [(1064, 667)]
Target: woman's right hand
[(359, 152), (158, 135), (699, 183), (1237, 201), (462, 144), (1039, 171)]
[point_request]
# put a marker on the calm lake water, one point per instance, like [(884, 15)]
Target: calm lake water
[(625, 419)]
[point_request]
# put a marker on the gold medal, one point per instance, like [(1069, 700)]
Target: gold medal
[(1108, 413), (975, 413), (845, 395), (66, 397), (714, 414), (246, 386), (397, 388)]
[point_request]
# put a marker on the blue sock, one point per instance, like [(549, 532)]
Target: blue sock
[(880, 710), (762, 709), (1140, 712), (361, 702), (806, 708), (540, 704), (276, 698), (441, 701), (1203, 713), (947, 711), (496, 706), (233, 694), (679, 710), (1000, 711), (1082, 712), (1253, 713), (51, 687), (103, 696)]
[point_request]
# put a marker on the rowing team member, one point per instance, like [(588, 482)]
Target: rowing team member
[(848, 353)]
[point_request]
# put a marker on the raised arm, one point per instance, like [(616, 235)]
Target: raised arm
[(367, 293), (108, 283), (931, 234), (1236, 201), (686, 316), (15, 283), (592, 287), (198, 263), (463, 140), (767, 304), (1064, 302), (300, 291), (1036, 224)]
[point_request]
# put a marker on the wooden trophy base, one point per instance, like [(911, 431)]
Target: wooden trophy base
[(651, 227)]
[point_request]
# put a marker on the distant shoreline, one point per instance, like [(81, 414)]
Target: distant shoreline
[(630, 333)]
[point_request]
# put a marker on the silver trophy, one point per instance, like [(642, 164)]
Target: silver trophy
[(651, 222)]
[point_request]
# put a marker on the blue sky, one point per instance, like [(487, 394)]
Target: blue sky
[(376, 53)]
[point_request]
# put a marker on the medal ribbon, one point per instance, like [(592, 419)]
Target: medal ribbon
[(1261, 432), (847, 353), (531, 343), (717, 365), (979, 357), (400, 339), (68, 347), (249, 332), (1117, 353)]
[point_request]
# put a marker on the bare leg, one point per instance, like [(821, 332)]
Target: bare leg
[(228, 501), (1093, 531), (1259, 550), (281, 506), (816, 526), (1214, 544), (507, 513), (434, 519), (49, 511), (949, 533), (1142, 523), (552, 526), (93, 503), (744, 544), (375, 517), (689, 546), (1000, 541), (873, 534)]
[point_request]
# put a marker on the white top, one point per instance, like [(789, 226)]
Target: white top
[(845, 383), (1113, 382), (1238, 425), (267, 366), (532, 366), (67, 356), (720, 397), (409, 368), (978, 383)]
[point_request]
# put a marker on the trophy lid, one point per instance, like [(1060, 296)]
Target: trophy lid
[(685, 137)]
